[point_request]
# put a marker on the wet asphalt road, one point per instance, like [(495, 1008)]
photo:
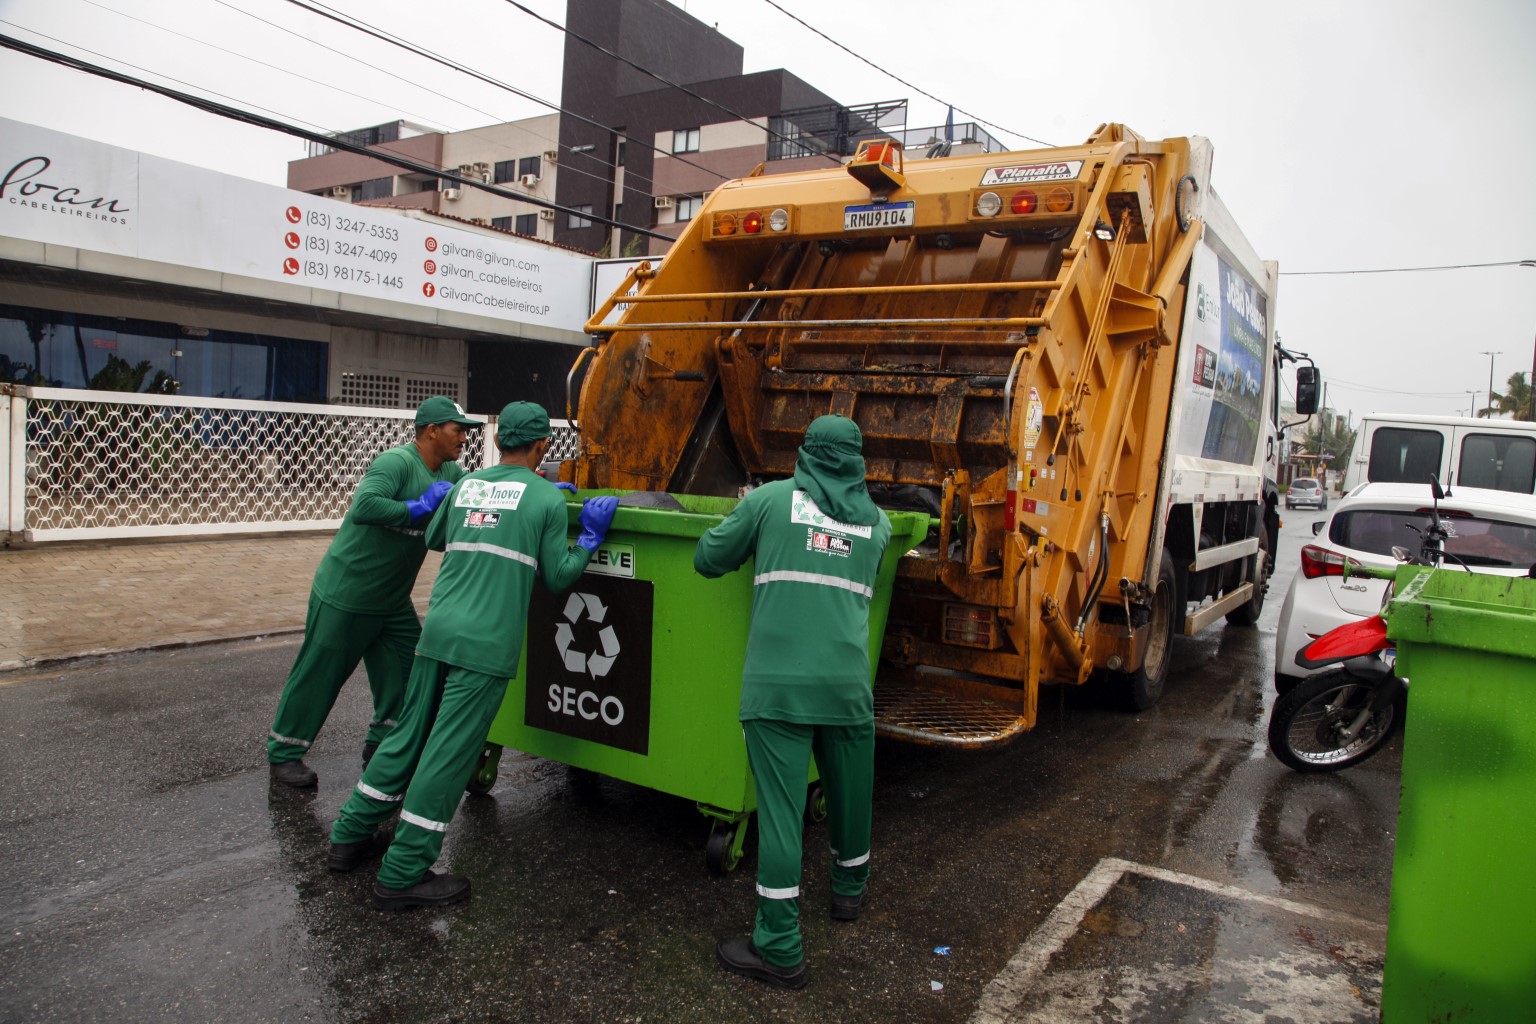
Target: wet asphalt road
[(151, 875)]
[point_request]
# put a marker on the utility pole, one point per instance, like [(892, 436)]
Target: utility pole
[(1490, 356)]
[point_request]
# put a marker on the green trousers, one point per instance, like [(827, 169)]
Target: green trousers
[(334, 642), (780, 754), (422, 767)]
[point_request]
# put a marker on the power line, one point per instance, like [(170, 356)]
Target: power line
[(362, 26), (247, 117), (554, 143), (903, 81), (667, 82), (1409, 270)]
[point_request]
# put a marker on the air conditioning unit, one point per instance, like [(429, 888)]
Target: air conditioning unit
[(530, 180), (465, 170), (451, 194), (550, 155), (340, 192), (482, 168), (663, 202), (479, 220), (546, 215)]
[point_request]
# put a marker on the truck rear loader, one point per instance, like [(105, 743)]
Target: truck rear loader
[(1067, 357)]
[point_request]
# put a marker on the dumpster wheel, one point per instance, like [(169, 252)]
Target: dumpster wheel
[(723, 851), (484, 776), (815, 804)]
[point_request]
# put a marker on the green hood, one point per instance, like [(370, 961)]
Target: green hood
[(830, 469)]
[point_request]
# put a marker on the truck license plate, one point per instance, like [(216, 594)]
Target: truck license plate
[(878, 215)]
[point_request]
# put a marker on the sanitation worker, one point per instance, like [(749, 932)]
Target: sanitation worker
[(499, 528), (805, 688), (360, 603)]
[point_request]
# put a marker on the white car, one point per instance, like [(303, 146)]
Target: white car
[(1491, 532)]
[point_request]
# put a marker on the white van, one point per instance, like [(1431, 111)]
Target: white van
[(1405, 448)]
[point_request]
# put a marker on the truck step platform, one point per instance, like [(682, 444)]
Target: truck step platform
[(947, 711)]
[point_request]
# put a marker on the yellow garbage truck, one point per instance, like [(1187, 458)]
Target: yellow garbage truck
[(1066, 357)]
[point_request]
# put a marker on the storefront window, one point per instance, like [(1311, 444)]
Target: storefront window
[(55, 349)]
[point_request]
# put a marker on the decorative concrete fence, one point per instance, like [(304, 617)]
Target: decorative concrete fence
[(87, 465)]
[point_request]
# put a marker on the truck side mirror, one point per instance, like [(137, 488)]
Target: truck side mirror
[(1307, 384)]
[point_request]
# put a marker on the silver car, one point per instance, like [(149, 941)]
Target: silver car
[(1305, 491)]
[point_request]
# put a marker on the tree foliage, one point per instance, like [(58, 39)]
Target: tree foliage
[(1332, 435), (1515, 402)]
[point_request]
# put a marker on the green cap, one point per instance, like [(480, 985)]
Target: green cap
[(521, 423), (442, 409)]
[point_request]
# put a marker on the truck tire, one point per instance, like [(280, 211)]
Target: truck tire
[(1141, 689), (1248, 613)]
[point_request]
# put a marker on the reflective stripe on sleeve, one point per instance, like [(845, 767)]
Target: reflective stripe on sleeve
[(374, 794), (793, 892), (855, 862), (820, 579), (289, 740), (420, 822), (492, 549)]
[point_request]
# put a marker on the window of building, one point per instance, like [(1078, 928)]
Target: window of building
[(68, 350), (618, 159), (618, 212), (577, 220), (687, 206), (505, 223), (528, 165), (376, 188), (527, 224), (685, 140), (506, 170)]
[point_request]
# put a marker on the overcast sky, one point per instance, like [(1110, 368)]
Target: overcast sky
[(1349, 134)]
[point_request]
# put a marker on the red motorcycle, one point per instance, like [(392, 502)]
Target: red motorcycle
[(1339, 718)]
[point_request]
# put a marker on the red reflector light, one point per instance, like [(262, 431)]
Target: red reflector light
[(752, 223), (1319, 561), (1023, 201), (970, 625)]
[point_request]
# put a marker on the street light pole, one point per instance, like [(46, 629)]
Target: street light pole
[(1490, 356), (1472, 411)]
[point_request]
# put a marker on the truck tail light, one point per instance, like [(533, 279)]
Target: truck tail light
[(1320, 561), (752, 223), (1024, 201), (970, 625), (1058, 200), (725, 224)]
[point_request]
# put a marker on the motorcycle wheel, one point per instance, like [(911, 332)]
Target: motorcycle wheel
[(1304, 727)]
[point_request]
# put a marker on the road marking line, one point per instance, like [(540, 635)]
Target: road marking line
[(1017, 978)]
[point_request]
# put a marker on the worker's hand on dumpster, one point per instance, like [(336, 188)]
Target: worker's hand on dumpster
[(565, 486), (423, 507), (596, 514)]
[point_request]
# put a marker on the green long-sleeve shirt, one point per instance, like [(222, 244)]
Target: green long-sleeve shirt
[(497, 529), (372, 563), (808, 645)]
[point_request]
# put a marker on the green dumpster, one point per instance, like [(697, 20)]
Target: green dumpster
[(1461, 932), (635, 672)]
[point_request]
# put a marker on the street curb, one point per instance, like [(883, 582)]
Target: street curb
[(163, 645)]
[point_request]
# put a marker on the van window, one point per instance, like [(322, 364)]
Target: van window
[(1404, 456), (1498, 462)]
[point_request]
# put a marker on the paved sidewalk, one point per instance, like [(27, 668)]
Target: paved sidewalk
[(71, 600)]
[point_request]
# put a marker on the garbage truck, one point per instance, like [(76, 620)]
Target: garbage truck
[(1066, 357)]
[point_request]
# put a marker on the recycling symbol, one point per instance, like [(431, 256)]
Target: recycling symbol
[(593, 664)]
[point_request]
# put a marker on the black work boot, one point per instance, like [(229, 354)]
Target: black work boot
[(741, 957), (846, 908), (294, 773), (434, 890), (369, 749), (349, 856)]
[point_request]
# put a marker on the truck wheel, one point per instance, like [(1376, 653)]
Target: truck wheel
[(1141, 689), (1248, 613)]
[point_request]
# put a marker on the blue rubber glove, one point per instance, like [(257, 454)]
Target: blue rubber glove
[(596, 514), (423, 507), (565, 486)]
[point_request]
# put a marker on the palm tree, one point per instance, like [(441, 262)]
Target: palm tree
[(1515, 402)]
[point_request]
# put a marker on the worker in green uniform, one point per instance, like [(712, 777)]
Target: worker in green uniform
[(805, 688), (360, 602), (498, 528)]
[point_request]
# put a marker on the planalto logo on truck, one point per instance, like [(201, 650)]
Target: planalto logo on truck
[(1026, 174)]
